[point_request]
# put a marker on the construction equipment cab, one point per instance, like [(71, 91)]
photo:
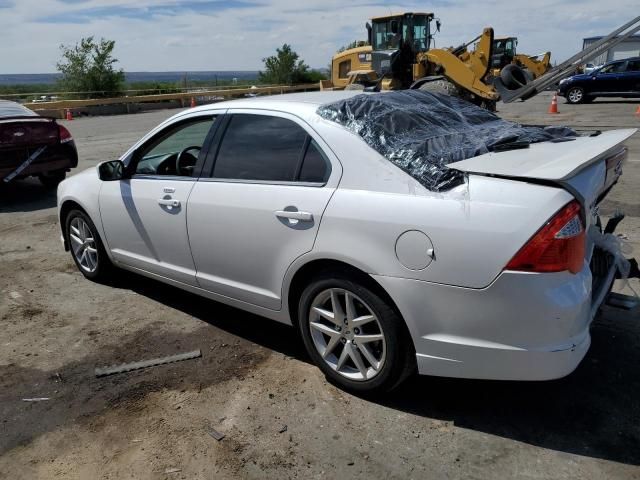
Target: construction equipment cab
[(396, 41)]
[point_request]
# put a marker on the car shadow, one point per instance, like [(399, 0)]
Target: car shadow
[(25, 196), (593, 412)]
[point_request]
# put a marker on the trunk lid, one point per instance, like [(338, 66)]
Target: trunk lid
[(25, 131), (586, 166)]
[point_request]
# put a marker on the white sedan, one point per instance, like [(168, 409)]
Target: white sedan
[(268, 205)]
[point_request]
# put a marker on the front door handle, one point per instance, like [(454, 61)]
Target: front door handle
[(295, 215), (169, 202)]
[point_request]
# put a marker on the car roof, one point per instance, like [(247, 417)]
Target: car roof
[(623, 60), (14, 109), (296, 103)]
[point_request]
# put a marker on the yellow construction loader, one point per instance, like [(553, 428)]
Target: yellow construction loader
[(399, 56), (505, 54)]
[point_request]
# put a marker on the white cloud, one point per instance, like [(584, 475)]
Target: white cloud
[(167, 35)]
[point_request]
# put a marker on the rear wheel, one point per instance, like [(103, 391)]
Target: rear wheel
[(575, 95), (52, 179), (353, 335), (87, 249)]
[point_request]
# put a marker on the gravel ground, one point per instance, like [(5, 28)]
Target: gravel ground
[(254, 383)]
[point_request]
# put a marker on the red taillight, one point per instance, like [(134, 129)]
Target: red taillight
[(558, 246), (65, 135)]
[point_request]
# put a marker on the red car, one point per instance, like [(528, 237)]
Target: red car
[(31, 145)]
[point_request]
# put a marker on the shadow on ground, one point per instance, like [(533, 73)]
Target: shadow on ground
[(594, 412), (25, 196)]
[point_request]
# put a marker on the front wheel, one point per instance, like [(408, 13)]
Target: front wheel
[(575, 95), (353, 335), (86, 247)]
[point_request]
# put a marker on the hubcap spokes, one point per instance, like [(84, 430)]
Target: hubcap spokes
[(83, 245), (576, 95), (347, 334)]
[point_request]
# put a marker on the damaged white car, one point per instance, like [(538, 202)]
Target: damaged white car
[(397, 232)]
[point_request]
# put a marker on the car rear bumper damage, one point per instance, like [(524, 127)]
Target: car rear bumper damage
[(524, 326)]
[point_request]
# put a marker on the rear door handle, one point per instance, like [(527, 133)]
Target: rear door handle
[(169, 202), (295, 215)]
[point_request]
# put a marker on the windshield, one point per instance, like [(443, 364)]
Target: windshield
[(504, 46), (383, 36), (413, 30)]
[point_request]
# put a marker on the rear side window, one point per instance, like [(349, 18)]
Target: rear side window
[(633, 66), (260, 147), (315, 166)]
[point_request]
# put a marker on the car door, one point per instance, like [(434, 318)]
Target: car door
[(632, 77), (144, 215), (260, 208), (607, 81)]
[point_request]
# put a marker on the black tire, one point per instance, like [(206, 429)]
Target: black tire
[(52, 179), (575, 95), (514, 77), (399, 358), (104, 268), (441, 86)]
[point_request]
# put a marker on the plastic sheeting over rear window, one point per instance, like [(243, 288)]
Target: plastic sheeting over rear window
[(422, 132)]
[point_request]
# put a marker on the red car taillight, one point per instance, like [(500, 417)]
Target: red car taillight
[(65, 135), (558, 246)]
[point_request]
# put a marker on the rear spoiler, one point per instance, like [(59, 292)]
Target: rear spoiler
[(26, 117)]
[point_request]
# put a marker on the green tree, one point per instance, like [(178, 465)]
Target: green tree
[(354, 44), (88, 66), (284, 68)]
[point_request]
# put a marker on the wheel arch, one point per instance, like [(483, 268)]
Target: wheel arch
[(66, 207), (312, 268)]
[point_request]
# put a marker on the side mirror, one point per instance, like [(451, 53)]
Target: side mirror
[(369, 37), (111, 171), (395, 28), (438, 25)]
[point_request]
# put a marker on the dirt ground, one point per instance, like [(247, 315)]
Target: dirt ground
[(254, 383)]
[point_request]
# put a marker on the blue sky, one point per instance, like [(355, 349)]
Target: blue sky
[(161, 35)]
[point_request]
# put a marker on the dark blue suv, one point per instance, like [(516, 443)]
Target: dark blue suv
[(620, 78)]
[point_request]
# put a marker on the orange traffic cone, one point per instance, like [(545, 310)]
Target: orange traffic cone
[(638, 111), (553, 108), (69, 114), (193, 102)]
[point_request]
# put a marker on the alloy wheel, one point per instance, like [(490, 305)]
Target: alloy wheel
[(83, 245), (575, 95), (347, 334)]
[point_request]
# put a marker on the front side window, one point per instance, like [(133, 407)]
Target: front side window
[(614, 68), (260, 147), (175, 150), (421, 33)]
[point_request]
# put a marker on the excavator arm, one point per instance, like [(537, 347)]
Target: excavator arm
[(533, 64), (465, 68)]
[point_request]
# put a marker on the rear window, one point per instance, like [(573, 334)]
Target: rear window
[(422, 132), (13, 109)]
